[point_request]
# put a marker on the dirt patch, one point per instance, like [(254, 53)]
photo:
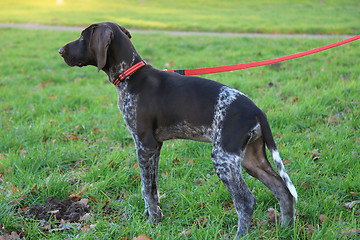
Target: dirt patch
[(65, 209)]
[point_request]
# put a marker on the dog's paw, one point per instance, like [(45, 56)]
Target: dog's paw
[(154, 216)]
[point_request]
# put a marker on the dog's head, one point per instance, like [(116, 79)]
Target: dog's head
[(92, 46)]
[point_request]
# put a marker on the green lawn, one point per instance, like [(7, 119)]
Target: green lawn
[(61, 133), (270, 16)]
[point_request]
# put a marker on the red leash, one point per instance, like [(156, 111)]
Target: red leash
[(200, 71)]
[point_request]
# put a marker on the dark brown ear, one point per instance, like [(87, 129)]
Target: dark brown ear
[(124, 30), (100, 40)]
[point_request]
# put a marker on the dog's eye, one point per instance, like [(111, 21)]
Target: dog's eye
[(81, 38)]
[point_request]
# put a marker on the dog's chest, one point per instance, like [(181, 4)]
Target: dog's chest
[(127, 104)]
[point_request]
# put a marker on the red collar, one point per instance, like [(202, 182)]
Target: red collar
[(125, 74)]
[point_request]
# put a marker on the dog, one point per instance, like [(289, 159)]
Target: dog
[(159, 105)]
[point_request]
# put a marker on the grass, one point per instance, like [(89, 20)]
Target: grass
[(61, 133), (270, 16)]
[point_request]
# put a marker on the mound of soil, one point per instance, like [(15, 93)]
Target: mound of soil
[(65, 209)]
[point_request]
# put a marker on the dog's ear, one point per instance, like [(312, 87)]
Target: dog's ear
[(124, 30), (101, 38)]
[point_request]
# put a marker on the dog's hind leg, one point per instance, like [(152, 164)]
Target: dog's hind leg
[(148, 157), (257, 165), (228, 168)]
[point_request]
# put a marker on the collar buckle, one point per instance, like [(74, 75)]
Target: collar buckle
[(128, 72)]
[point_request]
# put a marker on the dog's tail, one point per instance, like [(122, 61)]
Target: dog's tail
[(270, 143)]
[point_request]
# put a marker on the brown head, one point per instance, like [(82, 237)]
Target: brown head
[(102, 45)]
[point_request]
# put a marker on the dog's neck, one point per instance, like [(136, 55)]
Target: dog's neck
[(119, 61)]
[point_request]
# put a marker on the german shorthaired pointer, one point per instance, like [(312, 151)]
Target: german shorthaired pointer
[(159, 105)]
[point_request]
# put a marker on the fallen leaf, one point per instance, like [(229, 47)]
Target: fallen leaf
[(347, 109), (350, 231), (307, 231), (176, 162), (76, 197), (184, 233), (53, 96), (332, 120), (34, 188), (274, 217), (305, 185), (137, 178), (13, 236), (141, 237), (201, 222), (96, 130), (199, 181), (14, 188), (228, 205), (46, 227), (18, 200), (316, 153), (201, 205), (191, 162), (352, 204), (322, 218), (73, 137), (169, 64), (95, 199), (88, 217), (84, 201), (54, 211)]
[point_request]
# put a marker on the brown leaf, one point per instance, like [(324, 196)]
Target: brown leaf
[(201, 222), (305, 185), (201, 205), (274, 217), (95, 199), (286, 161), (322, 218), (46, 227), (169, 64), (199, 181), (18, 200), (14, 188), (176, 162), (141, 237), (165, 174), (96, 130), (73, 137), (332, 120), (228, 205), (191, 162), (137, 178), (347, 109), (53, 96), (35, 187), (76, 197), (307, 231), (13, 236)]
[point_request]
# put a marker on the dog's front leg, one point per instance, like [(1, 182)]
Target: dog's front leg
[(148, 158)]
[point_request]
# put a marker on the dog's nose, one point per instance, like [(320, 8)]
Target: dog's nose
[(61, 51)]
